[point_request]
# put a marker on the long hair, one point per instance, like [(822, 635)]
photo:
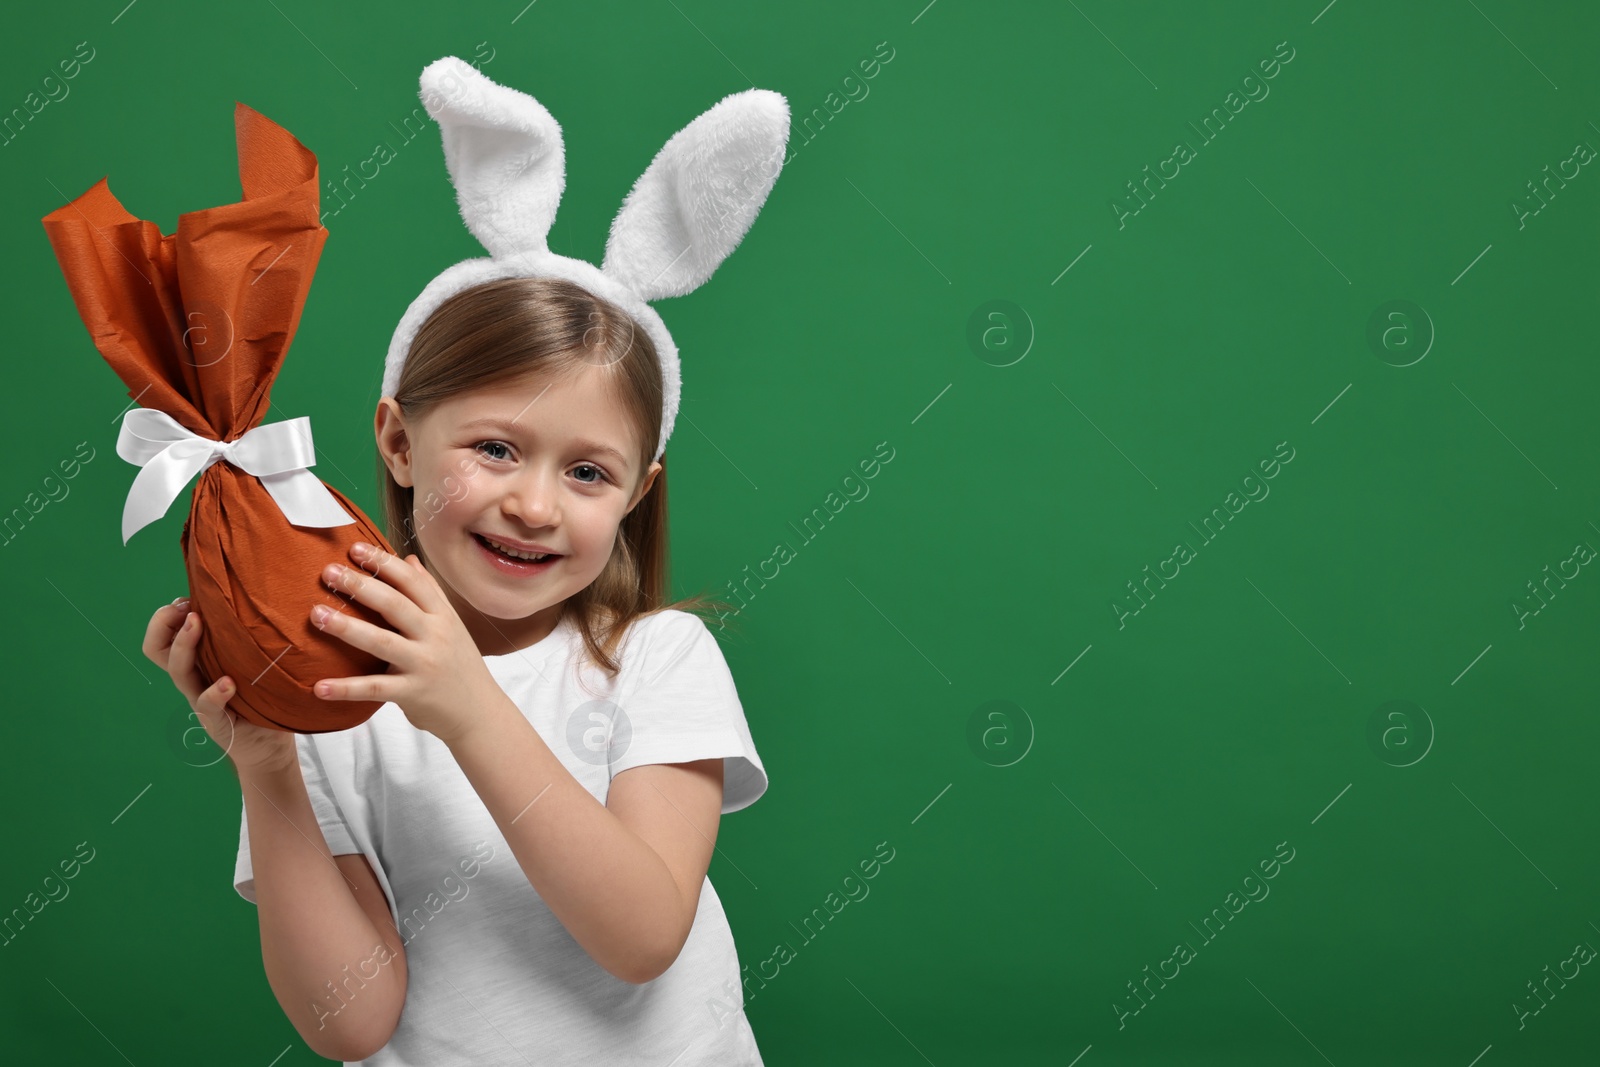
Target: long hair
[(501, 330)]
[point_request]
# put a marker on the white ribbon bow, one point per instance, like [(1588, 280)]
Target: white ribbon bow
[(171, 456)]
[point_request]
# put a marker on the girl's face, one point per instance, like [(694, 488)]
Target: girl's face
[(535, 462)]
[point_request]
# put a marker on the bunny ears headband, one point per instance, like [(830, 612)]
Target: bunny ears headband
[(687, 212)]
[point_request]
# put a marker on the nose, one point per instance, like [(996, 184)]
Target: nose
[(532, 498)]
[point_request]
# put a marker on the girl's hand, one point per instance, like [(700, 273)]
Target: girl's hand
[(436, 674), (170, 641)]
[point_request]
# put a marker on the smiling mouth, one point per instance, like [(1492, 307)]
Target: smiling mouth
[(500, 554)]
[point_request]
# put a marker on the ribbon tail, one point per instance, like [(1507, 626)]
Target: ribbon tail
[(305, 501), (157, 485)]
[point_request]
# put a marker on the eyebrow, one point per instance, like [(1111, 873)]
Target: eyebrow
[(507, 426)]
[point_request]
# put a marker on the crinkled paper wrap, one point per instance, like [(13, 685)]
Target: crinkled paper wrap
[(196, 324)]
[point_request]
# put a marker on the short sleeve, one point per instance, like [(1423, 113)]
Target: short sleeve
[(335, 830), (679, 704)]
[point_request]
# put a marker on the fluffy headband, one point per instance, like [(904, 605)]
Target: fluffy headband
[(687, 212)]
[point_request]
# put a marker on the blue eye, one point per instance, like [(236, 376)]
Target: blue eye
[(600, 472)]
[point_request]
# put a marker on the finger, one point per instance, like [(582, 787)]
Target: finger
[(412, 581), (213, 701), (385, 644), (379, 687), (158, 633), (212, 707), (376, 585), (180, 660)]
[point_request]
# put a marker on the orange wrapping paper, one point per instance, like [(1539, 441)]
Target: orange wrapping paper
[(196, 324)]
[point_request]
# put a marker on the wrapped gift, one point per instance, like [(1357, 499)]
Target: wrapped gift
[(196, 324)]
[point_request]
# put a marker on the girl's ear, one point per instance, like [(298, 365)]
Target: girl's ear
[(394, 444), (696, 200), (644, 486)]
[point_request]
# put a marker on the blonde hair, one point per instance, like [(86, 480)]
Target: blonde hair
[(505, 329)]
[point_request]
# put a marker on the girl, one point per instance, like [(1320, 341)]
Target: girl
[(506, 863), (512, 852)]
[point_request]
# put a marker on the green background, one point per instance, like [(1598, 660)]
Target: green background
[(1147, 754)]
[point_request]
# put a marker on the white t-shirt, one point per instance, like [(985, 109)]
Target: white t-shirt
[(493, 975)]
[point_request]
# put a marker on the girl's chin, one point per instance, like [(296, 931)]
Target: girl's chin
[(494, 604)]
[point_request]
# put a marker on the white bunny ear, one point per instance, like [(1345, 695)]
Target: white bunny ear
[(504, 154), (697, 198)]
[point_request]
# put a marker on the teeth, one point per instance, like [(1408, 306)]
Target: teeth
[(516, 553)]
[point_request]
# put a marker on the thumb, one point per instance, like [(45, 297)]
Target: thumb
[(213, 701)]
